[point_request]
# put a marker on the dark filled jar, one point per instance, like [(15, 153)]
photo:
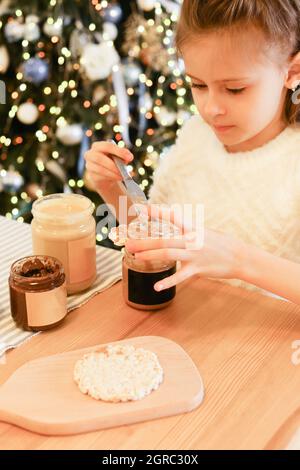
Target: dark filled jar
[(38, 294), (139, 276)]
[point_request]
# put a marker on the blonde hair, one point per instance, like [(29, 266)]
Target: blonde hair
[(279, 20)]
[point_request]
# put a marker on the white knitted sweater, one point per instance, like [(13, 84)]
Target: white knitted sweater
[(252, 195)]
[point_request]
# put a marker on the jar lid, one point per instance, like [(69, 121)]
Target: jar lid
[(37, 272), (62, 208)]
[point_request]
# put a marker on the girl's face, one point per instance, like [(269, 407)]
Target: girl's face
[(235, 83)]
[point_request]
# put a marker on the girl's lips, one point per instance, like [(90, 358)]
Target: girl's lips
[(223, 128)]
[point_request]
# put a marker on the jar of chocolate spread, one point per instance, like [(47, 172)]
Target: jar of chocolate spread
[(38, 294), (139, 276)]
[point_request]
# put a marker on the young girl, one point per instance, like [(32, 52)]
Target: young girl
[(240, 157)]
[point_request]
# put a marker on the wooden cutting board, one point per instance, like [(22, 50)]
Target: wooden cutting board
[(41, 395)]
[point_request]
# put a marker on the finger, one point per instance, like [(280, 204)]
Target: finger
[(112, 148), (135, 246), (168, 254), (184, 273), (194, 240), (102, 171), (105, 175), (102, 161)]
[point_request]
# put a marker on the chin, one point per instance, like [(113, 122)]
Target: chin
[(232, 138)]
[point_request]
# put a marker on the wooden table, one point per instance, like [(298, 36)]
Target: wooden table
[(241, 342)]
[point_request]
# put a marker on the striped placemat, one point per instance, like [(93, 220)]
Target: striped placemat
[(16, 243)]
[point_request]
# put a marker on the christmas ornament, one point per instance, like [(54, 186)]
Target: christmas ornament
[(112, 13), (183, 115), (27, 113), (78, 40), (4, 59), (53, 28), (35, 70), (166, 117), (131, 72), (153, 52), (14, 31), (70, 134), (148, 102), (146, 5), (97, 60), (12, 181), (32, 19), (110, 31), (31, 28), (98, 94)]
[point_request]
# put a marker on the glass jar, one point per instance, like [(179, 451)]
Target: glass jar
[(139, 276), (38, 294), (63, 227)]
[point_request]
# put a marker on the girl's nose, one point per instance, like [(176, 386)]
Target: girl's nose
[(213, 107)]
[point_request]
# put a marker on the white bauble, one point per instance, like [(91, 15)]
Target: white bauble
[(110, 31), (166, 117), (98, 60), (14, 31), (146, 5), (148, 102), (32, 19), (183, 115), (131, 72), (31, 31), (27, 113), (70, 134), (4, 59), (78, 40), (12, 180), (98, 94), (53, 29)]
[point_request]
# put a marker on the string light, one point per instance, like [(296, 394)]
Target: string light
[(163, 84)]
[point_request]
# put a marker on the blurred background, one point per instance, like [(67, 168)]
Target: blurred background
[(78, 71)]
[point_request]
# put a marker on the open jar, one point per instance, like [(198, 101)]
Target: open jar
[(38, 295), (63, 226), (139, 276)]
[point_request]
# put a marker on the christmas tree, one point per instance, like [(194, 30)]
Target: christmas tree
[(77, 71)]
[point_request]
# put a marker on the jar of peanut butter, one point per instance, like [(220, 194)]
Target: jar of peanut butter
[(63, 226), (139, 276), (38, 295)]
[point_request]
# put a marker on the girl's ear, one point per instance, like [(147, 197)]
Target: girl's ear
[(293, 74)]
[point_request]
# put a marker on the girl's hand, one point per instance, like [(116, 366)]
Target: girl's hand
[(218, 257), (101, 169)]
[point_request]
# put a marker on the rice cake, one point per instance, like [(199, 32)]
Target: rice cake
[(119, 373)]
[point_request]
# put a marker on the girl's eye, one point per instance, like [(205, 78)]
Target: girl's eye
[(235, 91), (200, 87)]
